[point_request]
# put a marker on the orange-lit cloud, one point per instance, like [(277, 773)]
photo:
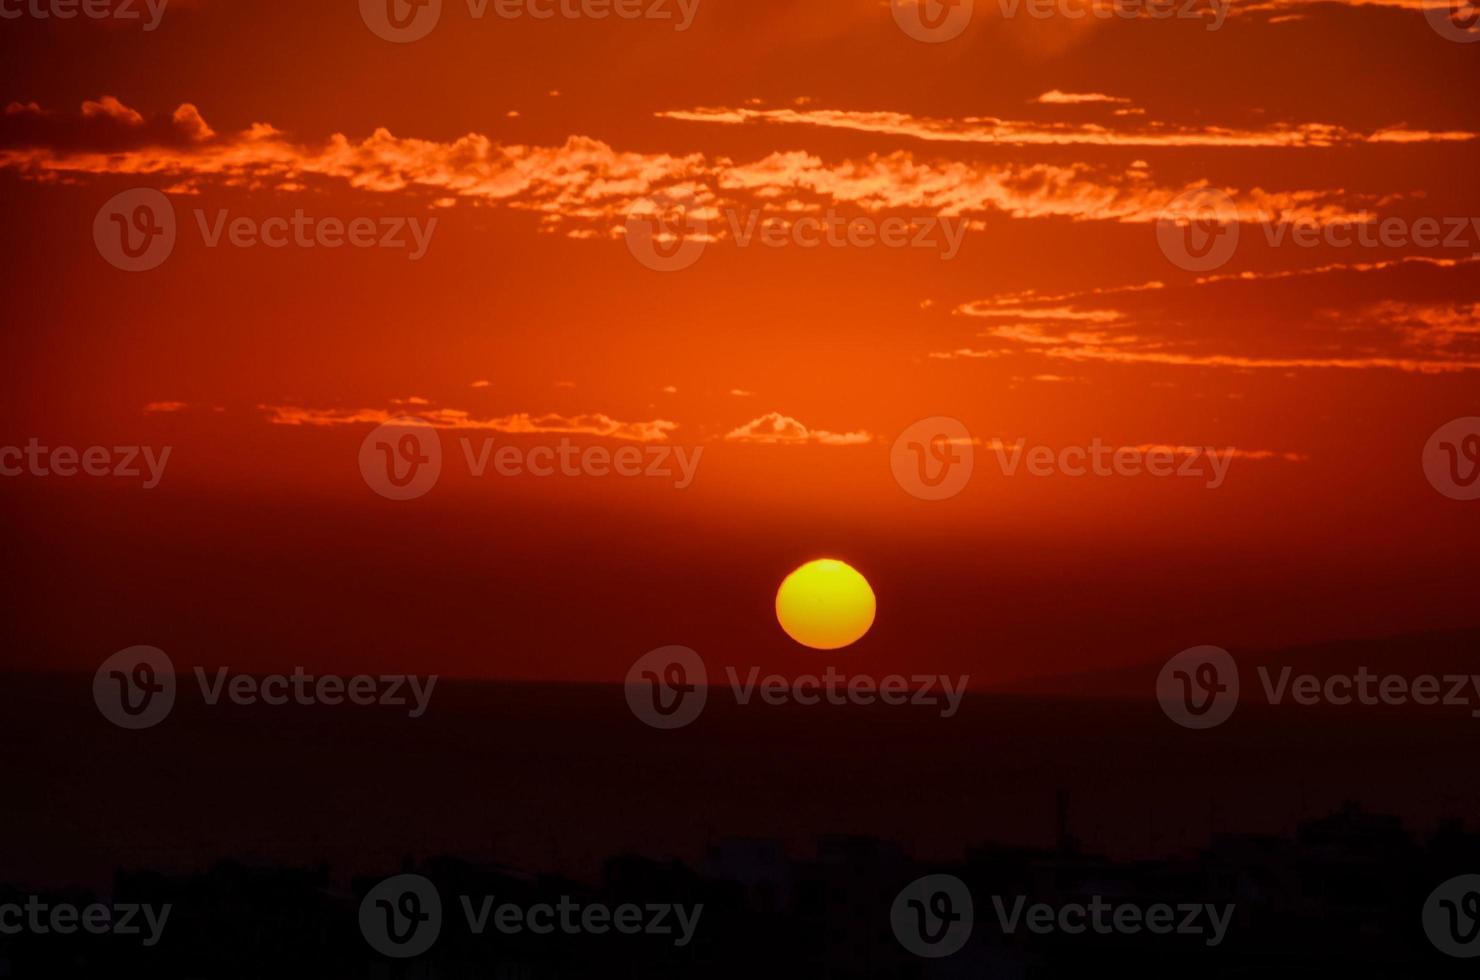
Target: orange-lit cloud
[(1055, 97), (1141, 325), (1192, 452), (774, 428), (992, 130), (586, 187), (1119, 355), (522, 423)]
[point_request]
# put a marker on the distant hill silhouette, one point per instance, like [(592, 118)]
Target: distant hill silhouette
[(1456, 651), (557, 776)]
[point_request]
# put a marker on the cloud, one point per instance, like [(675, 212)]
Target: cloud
[(1147, 353), (522, 423), (996, 131), (1282, 11), (582, 178), (1191, 452), (777, 429), (986, 308), (1145, 324), (1055, 97), (949, 189), (105, 125), (1230, 452), (1377, 266), (586, 188), (1435, 326)]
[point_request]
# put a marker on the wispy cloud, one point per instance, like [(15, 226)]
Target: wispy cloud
[(993, 130), (523, 423), (1143, 324), (1055, 97), (774, 428), (586, 188)]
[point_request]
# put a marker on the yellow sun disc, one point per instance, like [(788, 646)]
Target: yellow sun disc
[(825, 605)]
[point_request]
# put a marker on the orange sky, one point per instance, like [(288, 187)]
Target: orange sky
[(1039, 153)]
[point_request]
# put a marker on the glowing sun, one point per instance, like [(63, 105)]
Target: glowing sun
[(825, 605)]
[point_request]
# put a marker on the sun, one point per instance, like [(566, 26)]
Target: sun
[(825, 604)]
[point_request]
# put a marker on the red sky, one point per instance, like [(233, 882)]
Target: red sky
[(1052, 144)]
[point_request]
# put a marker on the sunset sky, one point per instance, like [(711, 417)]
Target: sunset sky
[(1050, 145)]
